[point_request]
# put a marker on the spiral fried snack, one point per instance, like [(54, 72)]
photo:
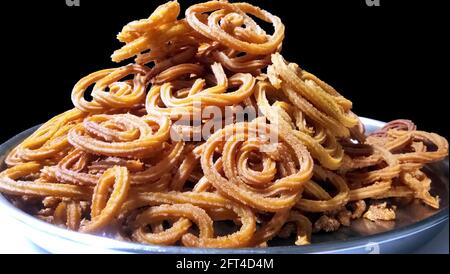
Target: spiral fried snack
[(104, 210), (121, 94), (251, 187), (322, 145), (320, 102), (225, 26), (122, 135), (49, 142), (212, 139)]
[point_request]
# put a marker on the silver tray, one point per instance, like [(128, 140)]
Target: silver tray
[(415, 225)]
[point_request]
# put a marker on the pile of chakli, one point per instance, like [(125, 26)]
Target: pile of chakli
[(126, 164)]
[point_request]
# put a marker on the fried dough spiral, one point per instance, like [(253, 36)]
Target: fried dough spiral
[(48, 142), (122, 94), (103, 210), (257, 188), (122, 135), (210, 138), (225, 26)]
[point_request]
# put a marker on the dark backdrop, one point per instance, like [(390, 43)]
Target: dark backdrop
[(388, 60)]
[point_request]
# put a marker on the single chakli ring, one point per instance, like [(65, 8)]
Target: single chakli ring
[(178, 229), (121, 94), (104, 209), (180, 97), (250, 38), (122, 135), (322, 145), (320, 102), (236, 143), (48, 142), (209, 202), (421, 143)]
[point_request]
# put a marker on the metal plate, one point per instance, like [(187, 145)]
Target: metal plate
[(415, 225)]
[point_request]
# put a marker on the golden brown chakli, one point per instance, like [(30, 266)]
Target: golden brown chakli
[(127, 164)]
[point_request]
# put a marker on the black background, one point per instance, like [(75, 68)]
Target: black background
[(389, 60)]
